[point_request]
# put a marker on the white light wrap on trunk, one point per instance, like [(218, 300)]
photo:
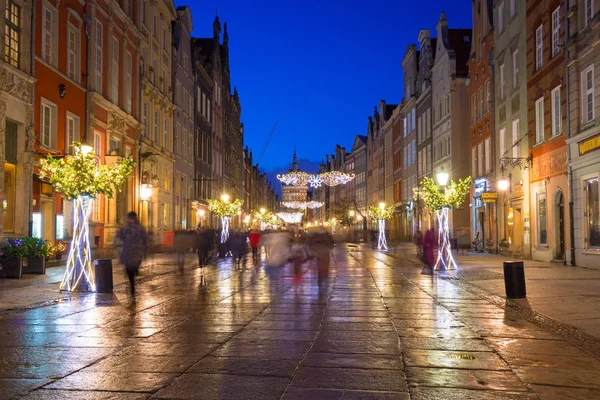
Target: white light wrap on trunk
[(78, 274)]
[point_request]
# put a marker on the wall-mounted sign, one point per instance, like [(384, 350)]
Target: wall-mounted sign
[(489, 197), (590, 144)]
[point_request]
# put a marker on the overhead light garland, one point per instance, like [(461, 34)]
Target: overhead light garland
[(80, 179), (291, 217), (302, 205), (334, 178), (294, 178)]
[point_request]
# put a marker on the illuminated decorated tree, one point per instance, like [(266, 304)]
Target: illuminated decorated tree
[(442, 200), (264, 217), (81, 179), (381, 214), (224, 209)]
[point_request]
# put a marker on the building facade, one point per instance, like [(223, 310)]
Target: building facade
[(359, 150), (546, 125), (18, 133), (450, 113), (583, 129), (510, 127), (481, 123)]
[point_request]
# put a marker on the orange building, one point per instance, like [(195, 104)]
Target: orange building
[(59, 103), (113, 104), (481, 124)]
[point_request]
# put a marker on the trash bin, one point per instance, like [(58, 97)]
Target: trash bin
[(514, 279), (104, 275)]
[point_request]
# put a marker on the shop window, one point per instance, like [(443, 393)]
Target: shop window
[(542, 219), (12, 33), (592, 214), (8, 204)]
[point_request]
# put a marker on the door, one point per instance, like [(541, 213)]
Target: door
[(560, 213), (47, 206)]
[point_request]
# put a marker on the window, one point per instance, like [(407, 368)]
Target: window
[(166, 134), (114, 72), (156, 126), (127, 83), (502, 134), (185, 62), (407, 92), (539, 120), (155, 25), (164, 36), (542, 219), (414, 151), (556, 116), (97, 143), (414, 119), (98, 68), (12, 36), (145, 119), (587, 80), (515, 65), (488, 95), (513, 8), (501, 17), (516, 137), (48, 124), (144, 11), (488, 155), (474, 106), (556, 32), (502, 81), (73, 59), (114, 146), (474, 161), (481, 102), (72, 132), (539, 48), (592, 213), (588, 11), (480, 159)]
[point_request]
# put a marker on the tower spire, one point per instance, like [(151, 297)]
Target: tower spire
[(295, 161)]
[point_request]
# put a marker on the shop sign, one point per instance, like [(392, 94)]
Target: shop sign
[(591, 144), (489, 197)]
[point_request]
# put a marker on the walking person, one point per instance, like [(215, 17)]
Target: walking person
[(429, 245), (254, 238), (134, 238), (237, 242), (180, 245), (321, 243), (202, 245)]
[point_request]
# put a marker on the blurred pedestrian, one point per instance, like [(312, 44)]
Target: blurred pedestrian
[(429, 244), (202, 245), (374, 238), (134, 238), (419, 242), (321, 243), (180, 245), (238, 247), (254, 238)]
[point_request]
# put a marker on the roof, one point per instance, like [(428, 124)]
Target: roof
[(205, 46), (389, 110), (460, 42)]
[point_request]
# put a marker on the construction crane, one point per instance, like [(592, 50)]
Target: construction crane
[(262, 153)]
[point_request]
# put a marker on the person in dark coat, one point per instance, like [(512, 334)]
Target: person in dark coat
[(134, 238), (202, 245), (180, 245), (321, 243), (429, 245), (237, 243)]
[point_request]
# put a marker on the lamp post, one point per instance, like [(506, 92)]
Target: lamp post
[(503, 185)]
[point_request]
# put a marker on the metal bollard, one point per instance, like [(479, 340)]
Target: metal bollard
[(104, 275), (514, 279)]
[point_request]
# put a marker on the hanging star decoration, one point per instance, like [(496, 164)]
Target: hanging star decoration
[(224, 208), (81, 175), (453, 195)]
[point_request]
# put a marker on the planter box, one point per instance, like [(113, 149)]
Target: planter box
[(12, 268), (35, 265)]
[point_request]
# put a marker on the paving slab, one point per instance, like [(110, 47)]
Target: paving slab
[(350, 378)]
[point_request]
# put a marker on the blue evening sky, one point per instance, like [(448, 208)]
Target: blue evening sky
[(317, 67)]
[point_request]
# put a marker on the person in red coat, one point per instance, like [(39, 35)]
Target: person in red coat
[(254, 238)]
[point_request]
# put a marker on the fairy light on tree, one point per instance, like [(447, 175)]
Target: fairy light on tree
[(80, 179), (381, 214), (224, 209), (264, 217), (453, 194)]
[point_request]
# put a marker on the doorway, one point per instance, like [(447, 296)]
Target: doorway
[(560, 225), (47, 231)]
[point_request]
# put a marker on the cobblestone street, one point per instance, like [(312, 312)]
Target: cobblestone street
[(379, 329)]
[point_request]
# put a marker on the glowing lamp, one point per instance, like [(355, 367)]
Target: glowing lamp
[(351, 213), (382, 205), (262, 210), (145, 192), (503, 184), (202, 212), (225, 198), (86, 149), (442, 177)]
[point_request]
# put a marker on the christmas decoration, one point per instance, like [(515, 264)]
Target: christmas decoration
[(334, 178), (80, 179), (294, 178), (291, 217), (442, 200), (381, 213), (224, 209), (302, 205), (263, 217)]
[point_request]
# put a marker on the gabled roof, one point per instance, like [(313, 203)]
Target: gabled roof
[(460, 42), (359, 141)]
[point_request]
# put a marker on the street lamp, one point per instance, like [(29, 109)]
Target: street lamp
[(225, 197), (351, 213), (382, 205), (503, 184), (442, 177), (86, 149)]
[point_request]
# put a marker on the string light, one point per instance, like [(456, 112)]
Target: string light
[(294, 178), (291, 217), (302, 205), (334, 178)]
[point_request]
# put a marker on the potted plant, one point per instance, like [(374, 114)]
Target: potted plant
[(12, 252), (37, 251), (504, 244), (58, 250)]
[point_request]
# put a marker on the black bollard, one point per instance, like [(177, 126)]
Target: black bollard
[(104, 275), (514, 279)]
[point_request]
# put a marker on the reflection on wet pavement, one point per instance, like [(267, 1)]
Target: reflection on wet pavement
[(377, 329)]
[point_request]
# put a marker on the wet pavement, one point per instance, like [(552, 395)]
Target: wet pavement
[(379, 329)]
